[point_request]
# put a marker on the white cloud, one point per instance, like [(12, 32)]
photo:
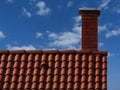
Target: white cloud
[(69, 4), (29, 47), (66, 39), (69, 39), (118, 10), (113, 33), (26, 13), (110, 54), (2, 35), (10, 1), (100, 44), (43, 9), (104, 4), (53, 35), (38, 35), (102, 28)]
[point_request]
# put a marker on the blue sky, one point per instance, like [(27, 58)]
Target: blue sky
[(56, 24)]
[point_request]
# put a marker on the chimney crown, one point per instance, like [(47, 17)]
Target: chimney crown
[(89, 28)]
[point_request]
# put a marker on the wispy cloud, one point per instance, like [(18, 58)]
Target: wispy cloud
[(104, 4), (100, 44), (113, 33), (26, 13), (102, 27), (43, 9), (29, 47), (116, 7), (2, 35), (69, 4), (38, 34), (69, 39), (10, 1)]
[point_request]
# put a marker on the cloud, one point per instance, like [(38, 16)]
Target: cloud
[(38, 35), (102, 27), (53, 35), (104, 4), (100, 44), (69, 4), (66, 39), (10, 1), (43, 9), (26, 13), (29, 47), (2, 35), (113, 33), (69, 39)]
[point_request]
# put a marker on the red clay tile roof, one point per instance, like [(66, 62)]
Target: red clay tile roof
[(53, 70)]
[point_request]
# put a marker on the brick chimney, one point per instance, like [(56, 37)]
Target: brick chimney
[(89, 28)]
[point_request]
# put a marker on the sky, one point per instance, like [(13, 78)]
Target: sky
[(56, 24)]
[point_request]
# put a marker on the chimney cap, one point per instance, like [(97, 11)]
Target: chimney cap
[(89, 9)]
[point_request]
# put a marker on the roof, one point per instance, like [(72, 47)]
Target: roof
[(53, 70)]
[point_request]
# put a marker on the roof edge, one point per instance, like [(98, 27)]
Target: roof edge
[(53, 51)]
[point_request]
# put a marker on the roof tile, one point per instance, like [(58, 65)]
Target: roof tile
[(54, 70)]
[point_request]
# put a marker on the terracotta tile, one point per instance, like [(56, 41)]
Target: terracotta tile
[(56, 78), (83, 78), (84, 64), (27, 86), (57, 71), (78, 64), (34, 86), (6, 86), (20, 85), (90, 86), (57, 57), (42, 78), (76, 86), (98, 72), (104, 72), (63, 71), (69, 86), (77, 78), (91, 65), (64, 64), (22, 71), (36, 71), (28, 78), (35, 78), (98, 78), (73, 70), (98, 86), (55, 86), (14, 78), (16, 64), (48, 86), (41, 86), (37, 64), (91, 78), (21, 78), (104, 86), (83, 86), (7, 78), (84, 71), (29, 71), (91, 71), (77, 71), (62, 86), (57, 64)]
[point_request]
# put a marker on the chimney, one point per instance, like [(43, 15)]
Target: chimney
[(89, 28)]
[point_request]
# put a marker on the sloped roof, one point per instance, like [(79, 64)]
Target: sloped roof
[(53, 70)]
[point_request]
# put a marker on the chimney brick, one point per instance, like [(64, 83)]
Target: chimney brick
[(89, 28)]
